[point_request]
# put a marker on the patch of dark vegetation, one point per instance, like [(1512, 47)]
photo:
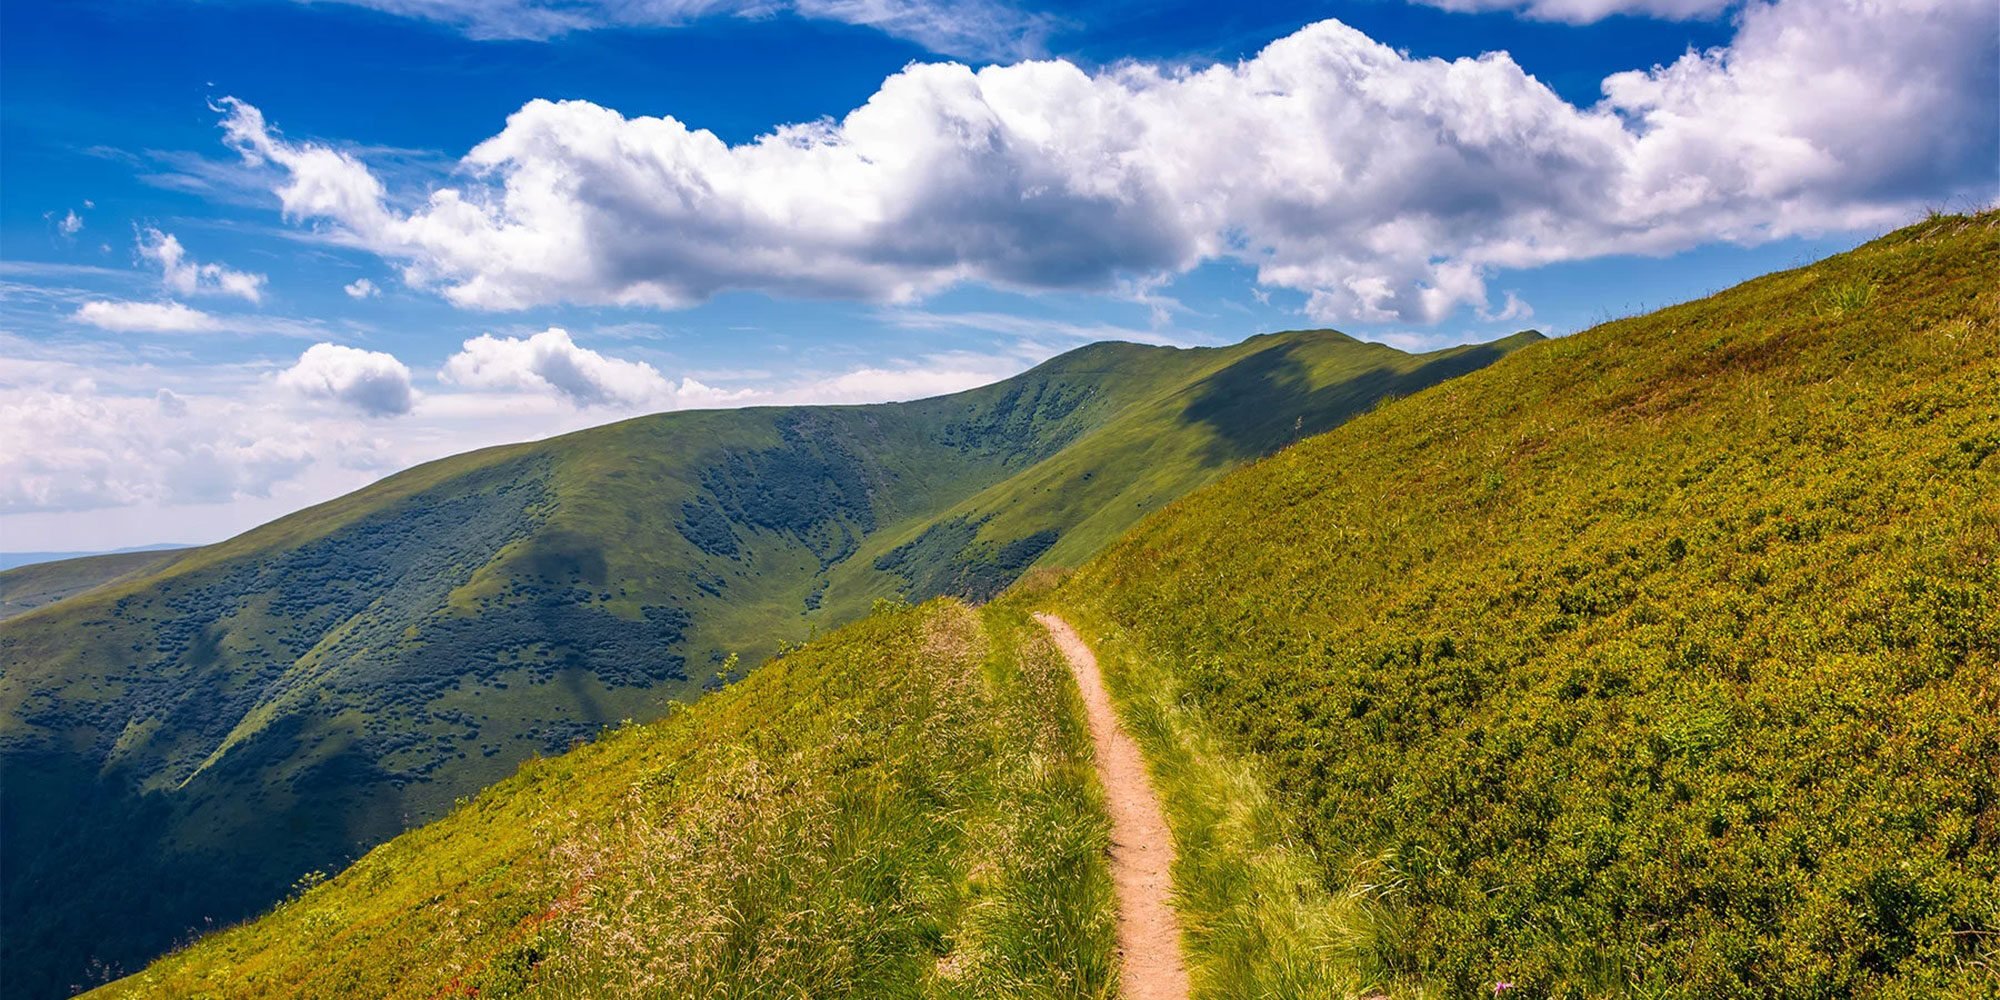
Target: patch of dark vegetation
[(707, 528), (543, 631), (565, 556), (816, 486), (554, 736), (948, 560), (1030, 420)]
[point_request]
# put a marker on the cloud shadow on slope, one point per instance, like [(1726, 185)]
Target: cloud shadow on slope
[(1268, 400)]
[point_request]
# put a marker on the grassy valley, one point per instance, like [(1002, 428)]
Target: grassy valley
[(281, 702)]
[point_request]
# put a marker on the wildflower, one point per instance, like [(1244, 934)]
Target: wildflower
[(1502, 986)]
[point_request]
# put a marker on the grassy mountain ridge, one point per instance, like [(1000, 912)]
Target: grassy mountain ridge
[(283, 700), (1282, 388), (902, 808), (1655, 661)]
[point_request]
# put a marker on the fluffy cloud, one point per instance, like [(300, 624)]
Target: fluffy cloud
[(551, 365), (935, 377), (1383, 187), (145, 317), (371, 382), (958, 27), (362, 288), (1591, 11), (550, 362), (187, 277), (1837, 113), (78, 449), (70, 224), (1511, 308)]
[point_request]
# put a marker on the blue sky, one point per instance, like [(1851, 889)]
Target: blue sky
[(230, 287)]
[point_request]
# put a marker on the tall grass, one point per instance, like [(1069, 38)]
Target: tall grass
[(901, 809), (1258, 917)]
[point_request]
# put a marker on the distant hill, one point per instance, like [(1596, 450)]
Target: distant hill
[(1662, 660), (181, 744), (14, 560), (38, 582), (9, 561)]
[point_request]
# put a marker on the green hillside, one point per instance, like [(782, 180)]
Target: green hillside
[(181, 744), (1659, 661), (901, 809)]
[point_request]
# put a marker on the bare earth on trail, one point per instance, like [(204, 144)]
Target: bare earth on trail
[(1142, 851)]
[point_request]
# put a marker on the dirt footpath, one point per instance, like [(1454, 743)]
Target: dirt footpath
[(1142, 851)]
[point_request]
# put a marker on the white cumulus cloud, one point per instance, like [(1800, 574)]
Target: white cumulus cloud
[(361, 288), (1385, 188), (145, 317), (70, 224), (371, 382), (551, 362), (188, 277)]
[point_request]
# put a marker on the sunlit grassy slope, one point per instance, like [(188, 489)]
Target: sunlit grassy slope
[(900, 809), (1662, 660), (182, 744), (1657, 661)]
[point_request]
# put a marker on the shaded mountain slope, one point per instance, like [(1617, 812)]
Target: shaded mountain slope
[(1656, 661), (284, 700), (900, 809)]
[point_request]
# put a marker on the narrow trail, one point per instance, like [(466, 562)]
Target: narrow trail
[(1142, 849)]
